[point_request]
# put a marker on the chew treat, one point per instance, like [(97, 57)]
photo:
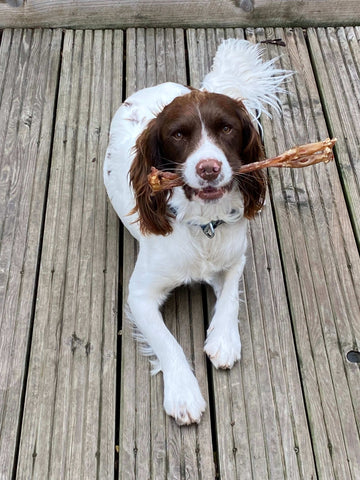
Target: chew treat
[(161, 180), (297, 157)]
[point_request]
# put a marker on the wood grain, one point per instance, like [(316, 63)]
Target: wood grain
[(291, 408), (69, 413), (336, 57), (29, 63), (188, 13), (316, 240)]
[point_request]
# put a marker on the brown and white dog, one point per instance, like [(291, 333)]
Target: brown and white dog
[(198, 232)]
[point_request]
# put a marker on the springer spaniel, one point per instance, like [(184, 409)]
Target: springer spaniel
[(196, 232)]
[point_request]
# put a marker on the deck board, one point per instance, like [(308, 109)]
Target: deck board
[(29, 63), (98, 14), (69, 414), (314, 234), (336, 56), (291, 408)]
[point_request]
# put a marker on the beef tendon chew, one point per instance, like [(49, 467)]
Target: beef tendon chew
[(161, 180), (297, 157)]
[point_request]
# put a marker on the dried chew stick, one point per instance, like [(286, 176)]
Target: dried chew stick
[(296, 157), (160, 180)]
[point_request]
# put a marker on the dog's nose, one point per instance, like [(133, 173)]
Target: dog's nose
[(208, 169)]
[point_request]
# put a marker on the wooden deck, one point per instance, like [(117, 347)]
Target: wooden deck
[(173, 13), (76, 398)]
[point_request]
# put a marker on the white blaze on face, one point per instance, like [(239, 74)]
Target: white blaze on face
[(206, 150)]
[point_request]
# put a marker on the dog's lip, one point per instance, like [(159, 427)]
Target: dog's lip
[(210, 193), (207, 192)]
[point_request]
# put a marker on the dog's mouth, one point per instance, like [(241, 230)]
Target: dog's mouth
[(207, 193), (210, 193)]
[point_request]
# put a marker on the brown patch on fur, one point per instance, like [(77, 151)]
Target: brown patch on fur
[(174, 134)]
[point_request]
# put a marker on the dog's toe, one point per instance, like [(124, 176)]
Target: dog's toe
[(183, 399), (223, 349)]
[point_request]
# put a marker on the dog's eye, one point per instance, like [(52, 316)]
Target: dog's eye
[(178, 135), (227, 129)]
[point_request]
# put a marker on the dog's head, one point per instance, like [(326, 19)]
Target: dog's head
[(205, 138)]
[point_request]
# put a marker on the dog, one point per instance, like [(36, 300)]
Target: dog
[(198, 231)]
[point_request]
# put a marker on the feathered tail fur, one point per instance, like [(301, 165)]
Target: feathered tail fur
[(239, 72)]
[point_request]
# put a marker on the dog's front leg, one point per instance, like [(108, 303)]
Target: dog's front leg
[(223, 344), (182, 396)]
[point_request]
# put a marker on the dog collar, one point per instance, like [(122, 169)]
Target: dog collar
[(207, 228)]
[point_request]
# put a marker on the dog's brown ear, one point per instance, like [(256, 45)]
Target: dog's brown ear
[(252, 185), (153, 213)]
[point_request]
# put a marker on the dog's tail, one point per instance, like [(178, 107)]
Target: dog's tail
[(239, 72)]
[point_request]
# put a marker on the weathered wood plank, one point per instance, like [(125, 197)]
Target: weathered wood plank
[(188, 13), (260, 417), (336, 59), (69, 413), (29, 64), (321, 265), (151, 444)]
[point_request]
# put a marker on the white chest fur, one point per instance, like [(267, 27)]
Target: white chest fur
[(189, 255)]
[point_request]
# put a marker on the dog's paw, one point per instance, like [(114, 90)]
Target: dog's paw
[(183, 399), (223, 347)]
